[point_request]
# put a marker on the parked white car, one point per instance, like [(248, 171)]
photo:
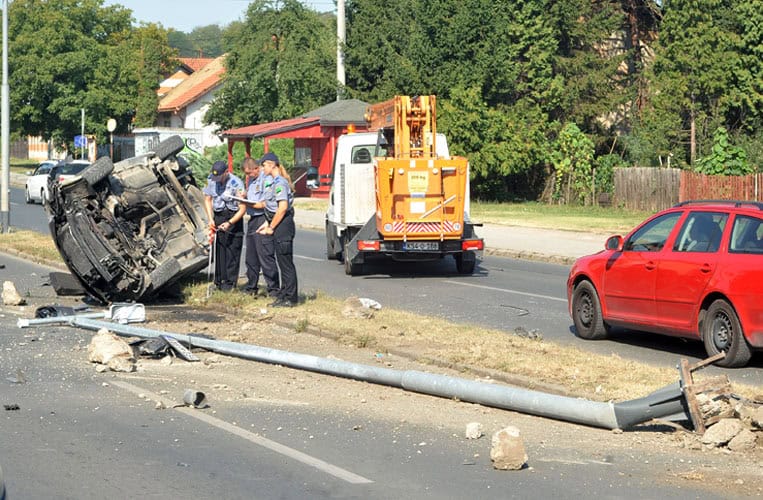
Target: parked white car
[(67, 170), (37, 182)]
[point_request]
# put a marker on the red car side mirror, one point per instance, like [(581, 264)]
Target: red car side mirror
[(614, 243)]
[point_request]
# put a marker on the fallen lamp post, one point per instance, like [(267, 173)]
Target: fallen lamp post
[(675, 402)]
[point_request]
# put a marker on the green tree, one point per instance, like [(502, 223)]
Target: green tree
[(724, 157), (573, 160), (281, 63), (706, 74)]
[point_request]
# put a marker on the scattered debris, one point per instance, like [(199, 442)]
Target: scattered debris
[(533, 334), (126, 312), (52, 311), (369, 303), (11, 296), (355, 308), (195, 398), (65, 284), (722, 432), (12, 407), (17, 378), (108, 349), (473, 430), (179, 349), (508, 449)]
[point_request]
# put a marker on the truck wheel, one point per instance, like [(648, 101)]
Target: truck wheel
[(98, 171), (350, 268), (465, 262), (169, 147), (331, 245)]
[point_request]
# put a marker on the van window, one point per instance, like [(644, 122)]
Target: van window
[(361, 154)]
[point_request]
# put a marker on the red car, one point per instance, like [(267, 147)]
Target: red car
[(694, 271)]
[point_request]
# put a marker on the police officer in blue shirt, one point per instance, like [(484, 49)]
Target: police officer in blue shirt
[(257, 256), (279, 215), (225, 222)]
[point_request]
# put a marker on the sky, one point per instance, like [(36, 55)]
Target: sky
[(185, 15)]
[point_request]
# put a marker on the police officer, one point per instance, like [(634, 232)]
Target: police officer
[(279, 214), (256, 257), (225, 222)]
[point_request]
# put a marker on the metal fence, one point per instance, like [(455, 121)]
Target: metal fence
[(696, 186)]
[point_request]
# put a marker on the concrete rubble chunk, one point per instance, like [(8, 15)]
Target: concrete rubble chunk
[(473, 430), (11, 296), (108, 349), (722, 432), (757, 418), (743, 441), (508, 449)]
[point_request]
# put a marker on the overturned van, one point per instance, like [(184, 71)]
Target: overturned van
[(128, 230)]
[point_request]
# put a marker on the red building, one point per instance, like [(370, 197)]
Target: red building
[(314, 135)]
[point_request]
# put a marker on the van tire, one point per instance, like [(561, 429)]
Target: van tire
[(465, 262), (350, 268), (169, 147), (99, 170)]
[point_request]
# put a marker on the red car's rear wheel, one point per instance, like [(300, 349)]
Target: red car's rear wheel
[(722, 332)]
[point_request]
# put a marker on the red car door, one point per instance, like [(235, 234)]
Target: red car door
[(630, 276), (685, 270)]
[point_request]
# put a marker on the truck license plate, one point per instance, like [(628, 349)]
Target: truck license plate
[(421, 245)]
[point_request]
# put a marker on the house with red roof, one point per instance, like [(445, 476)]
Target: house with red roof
[(182, 108)]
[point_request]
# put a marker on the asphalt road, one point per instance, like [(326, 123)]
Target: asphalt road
[(503, 293)]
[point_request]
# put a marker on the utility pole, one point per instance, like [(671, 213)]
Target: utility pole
[(82, 152), (340, 39), (5, 143)]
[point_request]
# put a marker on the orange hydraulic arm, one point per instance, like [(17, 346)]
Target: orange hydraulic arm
[(412, 121), (419, 196)]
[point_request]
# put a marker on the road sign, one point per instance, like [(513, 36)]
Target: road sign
[(80, 141)]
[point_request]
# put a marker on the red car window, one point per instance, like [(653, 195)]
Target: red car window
[(746, 235), (651, 236), (701, 232)]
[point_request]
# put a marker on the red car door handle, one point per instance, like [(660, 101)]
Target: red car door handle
[(650, 265), (705, 268)]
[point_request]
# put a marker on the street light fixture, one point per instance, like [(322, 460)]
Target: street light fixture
[(111, 125)]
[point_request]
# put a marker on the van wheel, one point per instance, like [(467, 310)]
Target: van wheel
[(169, 147), (350, 268), (465, 262), (586, 313), (331, 245), (98, 171), (722, 332)]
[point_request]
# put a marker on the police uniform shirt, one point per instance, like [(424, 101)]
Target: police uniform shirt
[(233, 186), (256, 193), (278, 191)]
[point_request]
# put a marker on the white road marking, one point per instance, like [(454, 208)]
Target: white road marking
[(305, 257), (319, 464), (505, 290)]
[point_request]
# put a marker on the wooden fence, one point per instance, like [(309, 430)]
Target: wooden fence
[(654, 189), (646, 188)]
